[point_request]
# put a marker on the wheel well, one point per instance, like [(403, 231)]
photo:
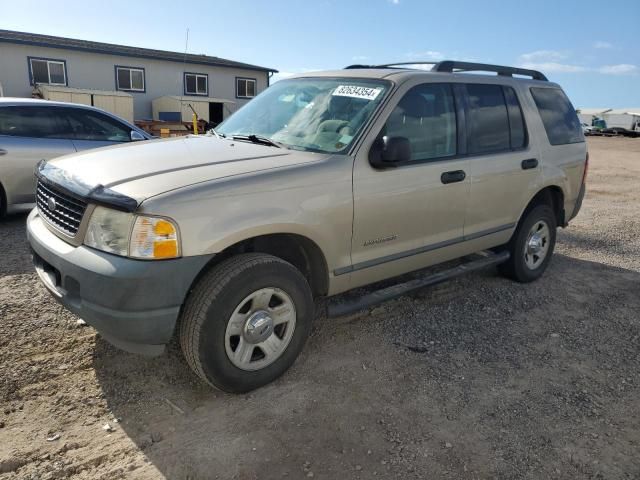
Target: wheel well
[(302, 253), (553, 197)]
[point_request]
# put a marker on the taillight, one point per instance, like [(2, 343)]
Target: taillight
[(586, 169)]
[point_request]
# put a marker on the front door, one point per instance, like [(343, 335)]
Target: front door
[(406, 217)]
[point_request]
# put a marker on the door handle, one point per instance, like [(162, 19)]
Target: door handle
[(453, 177), (529, 163), (3, 151)]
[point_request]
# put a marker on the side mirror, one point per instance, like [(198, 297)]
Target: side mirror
[(389, 152), (136, 136)]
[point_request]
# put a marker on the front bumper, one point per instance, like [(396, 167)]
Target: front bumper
[(134, 304)]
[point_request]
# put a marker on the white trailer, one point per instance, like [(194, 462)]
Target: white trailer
[(624, 120)]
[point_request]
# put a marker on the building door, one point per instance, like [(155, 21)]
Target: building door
[(215, 113)]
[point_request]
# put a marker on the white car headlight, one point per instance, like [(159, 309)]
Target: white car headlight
[(135, 236)]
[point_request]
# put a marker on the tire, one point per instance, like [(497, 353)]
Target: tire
[(258, 292), (530, 257)]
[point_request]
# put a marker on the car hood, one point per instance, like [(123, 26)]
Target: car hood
[(145, 169)]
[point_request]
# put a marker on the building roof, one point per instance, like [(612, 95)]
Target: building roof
[(50, 41)]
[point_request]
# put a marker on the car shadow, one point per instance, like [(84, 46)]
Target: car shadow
[(385, 389), (14, 246)]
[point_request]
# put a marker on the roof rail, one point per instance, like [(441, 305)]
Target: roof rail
[(452, 66), (389, 65)]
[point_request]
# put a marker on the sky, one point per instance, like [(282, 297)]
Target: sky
[(591, 49)]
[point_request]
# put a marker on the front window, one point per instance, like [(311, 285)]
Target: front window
[(44, 71), (130, 79), (315, 114)]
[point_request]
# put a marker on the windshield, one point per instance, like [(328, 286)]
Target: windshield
[(315, 114)]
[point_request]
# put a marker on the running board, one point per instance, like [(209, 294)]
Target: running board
[(395, 291)]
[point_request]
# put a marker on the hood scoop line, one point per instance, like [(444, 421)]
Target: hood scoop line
[(187, 167)]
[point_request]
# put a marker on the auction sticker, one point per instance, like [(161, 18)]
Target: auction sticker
[(357, 92)]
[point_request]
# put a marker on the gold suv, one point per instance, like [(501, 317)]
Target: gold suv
[(324, 182)]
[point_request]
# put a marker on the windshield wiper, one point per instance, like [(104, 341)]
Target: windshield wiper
[(259, 139), (213, 132)]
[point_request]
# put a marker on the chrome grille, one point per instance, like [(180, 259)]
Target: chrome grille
[(67, 211)]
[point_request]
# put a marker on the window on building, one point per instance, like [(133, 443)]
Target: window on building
[(488, 120), (130, 79), (52, 72), (558, 116), (425, 116), (196, 84), (245, 87)]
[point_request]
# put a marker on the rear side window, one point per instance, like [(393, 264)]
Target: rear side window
[(488, 119), (516, 121), (34, 122), (558, 116)]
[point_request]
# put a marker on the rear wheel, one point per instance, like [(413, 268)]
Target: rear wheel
[(246, 321), (531, 246)]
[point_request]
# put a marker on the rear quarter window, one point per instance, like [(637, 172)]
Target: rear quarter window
[(558, 116)]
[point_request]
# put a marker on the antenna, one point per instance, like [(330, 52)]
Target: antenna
[(184, 66)]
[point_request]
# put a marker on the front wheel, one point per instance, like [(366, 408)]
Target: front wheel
[(246, 321), (531, 246)]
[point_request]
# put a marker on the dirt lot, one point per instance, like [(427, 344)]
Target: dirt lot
[(478, 378)]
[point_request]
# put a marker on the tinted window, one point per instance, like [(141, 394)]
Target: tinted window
[(516, 121), (426, 117), (35, 122), (488, 120), (89, 125), (558, 116)]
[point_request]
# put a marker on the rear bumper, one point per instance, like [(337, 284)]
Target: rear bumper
[(134, 304), (578, 204)]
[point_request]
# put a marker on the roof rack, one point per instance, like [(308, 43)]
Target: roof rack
[(452, 66), (389, 65)]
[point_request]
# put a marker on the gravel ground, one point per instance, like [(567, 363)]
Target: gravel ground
[(476, 378)]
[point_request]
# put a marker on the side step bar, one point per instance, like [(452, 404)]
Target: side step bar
[(395, 291)]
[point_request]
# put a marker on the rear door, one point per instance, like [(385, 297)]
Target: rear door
[(28, 134), (92, 129), (504, 168)]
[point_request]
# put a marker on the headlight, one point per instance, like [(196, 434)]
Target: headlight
[(136, 236), (109, 230)]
